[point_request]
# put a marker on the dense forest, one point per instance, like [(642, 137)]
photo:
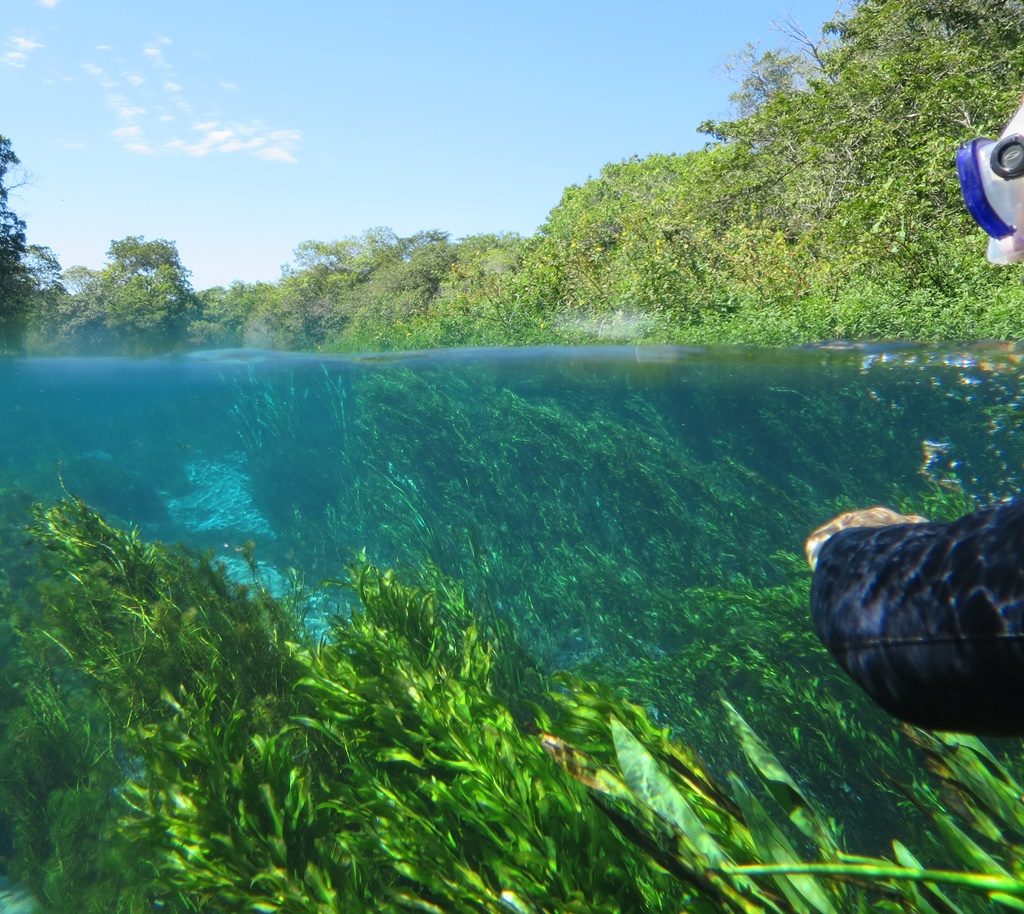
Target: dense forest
[(826, 207)]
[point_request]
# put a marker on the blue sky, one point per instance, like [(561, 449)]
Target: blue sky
[(238, 129)]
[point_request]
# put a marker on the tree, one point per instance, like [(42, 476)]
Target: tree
[(377, 277), (243, 314), (43, 268), (47, 299), (73, 316), (407, 284), (763, 75), (15, 284), (859, 161), (148, 294)]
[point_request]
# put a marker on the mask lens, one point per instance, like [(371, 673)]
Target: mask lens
[(1008, 157)]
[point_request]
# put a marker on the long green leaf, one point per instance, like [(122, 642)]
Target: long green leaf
[(785, 790), (653, 788), (922, 903), (772, 843)]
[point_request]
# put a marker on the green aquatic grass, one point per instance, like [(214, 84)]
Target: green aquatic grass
[(114, 629), (413, 759), (584, 511), (343, 801), (603, 494), (590, 684)]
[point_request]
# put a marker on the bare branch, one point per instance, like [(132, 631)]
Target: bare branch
[(811, 50)]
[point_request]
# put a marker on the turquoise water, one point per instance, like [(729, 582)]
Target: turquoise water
[(685, 468), (218, 448), (636, 513)]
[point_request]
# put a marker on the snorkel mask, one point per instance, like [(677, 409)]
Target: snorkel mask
[(991, 176)]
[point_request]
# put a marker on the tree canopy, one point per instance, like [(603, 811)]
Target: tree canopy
[(141, 302), (14, 278)]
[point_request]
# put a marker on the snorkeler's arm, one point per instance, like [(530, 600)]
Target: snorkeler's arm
[(927, 617)]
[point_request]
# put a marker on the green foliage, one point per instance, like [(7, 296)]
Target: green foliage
[(828, 208), (14, 278), (334, 290), (860, 164), (49, 298), (243, 314), (148, 297), (75, 321), (141, 303)]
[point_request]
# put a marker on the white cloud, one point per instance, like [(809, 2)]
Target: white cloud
[(251, 138), (276, 154), (20, 48), (49, 4), (123, 107), (147, 132), (153, 53), (104, 47), (130, 134), (208, 137), (101, 75)]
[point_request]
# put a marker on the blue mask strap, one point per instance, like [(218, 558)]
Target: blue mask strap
[(974, 192)]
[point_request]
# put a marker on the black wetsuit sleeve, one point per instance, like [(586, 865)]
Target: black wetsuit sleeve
[(927, 618)]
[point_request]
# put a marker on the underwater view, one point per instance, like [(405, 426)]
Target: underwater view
[(506, 630)]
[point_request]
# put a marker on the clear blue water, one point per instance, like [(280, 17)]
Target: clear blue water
[(686, 467), (187, 448), (593, 496)]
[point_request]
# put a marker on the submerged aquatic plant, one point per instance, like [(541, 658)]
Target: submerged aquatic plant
[(112, 631), (413, 759), (592, 598)]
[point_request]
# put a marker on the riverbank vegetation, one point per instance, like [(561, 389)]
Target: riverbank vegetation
[(826, 207)]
